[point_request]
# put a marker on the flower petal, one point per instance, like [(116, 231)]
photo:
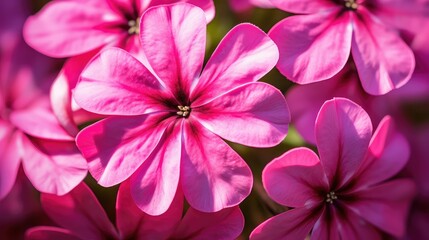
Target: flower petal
[(353, 227), (10, 157), (225, 224), (302, 177), (313, 47), (292, 224), (116, 146), (387, 154), (68, 33), (206, 5), (326, 228), (155, 183), (115, 83), (53, 166), (383, 60), (255, 114), (173, 39), (386, 205), (45, 232), (343, 131), (132, 222), (213, 176), (244, 55), (304, 6), (80, 212)]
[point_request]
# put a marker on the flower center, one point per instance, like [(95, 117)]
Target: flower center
[(134, 26), (351, 4), (330, 197), (183, 111)]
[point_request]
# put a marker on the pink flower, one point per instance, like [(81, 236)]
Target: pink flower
[(80, 216), (81, 33), (346, 194), (29, 131), (316, 46), (245, 5), (166, 129)]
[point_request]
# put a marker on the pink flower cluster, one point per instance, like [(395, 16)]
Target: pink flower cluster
[(132, 99)]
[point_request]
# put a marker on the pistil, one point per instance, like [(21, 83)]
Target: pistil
[(351, 4), (134, 26), (330, 197), (183, 111)]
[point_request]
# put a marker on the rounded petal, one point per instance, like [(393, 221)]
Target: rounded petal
[(67, 33), (302, 177), (213, 176), (343, 131), (10, 158), (292, 224), (386, 205), (44, 233), (115, 83), (304, 6), (116, 146), (313, 47), (80, 212), (173, 37), (133, 223), (244, 55), (53, 166), (383, 60), (223, 225), (255, 114), (387, 154), (155, 183)]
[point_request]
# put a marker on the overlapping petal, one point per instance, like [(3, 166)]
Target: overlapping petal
[(352, 227), (244, 55), (383, 60), (53, 166), (115, 83), (255, 114), (43, 233), (173, 39), (326, 228), (301, 176), (343, 131), (10, 158), (80, 212), (313, 47), (76, 32), (116, 147), (213, 176), (304, 6), (206, 5), (155, 183)]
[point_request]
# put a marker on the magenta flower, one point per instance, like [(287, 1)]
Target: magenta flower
[(245, 5), (166, 129), (346, 194), (80, 216), (316, 46)]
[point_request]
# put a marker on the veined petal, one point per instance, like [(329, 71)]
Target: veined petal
[(10, 157), (173, 38), (213, 176), (292, 224), (67, 33), (313, 47), (155, 183), (343, 131), (301, 176), (254, 114), (383, 60), (115, 83), (133, 223), (80, 212), (387, 154), (304, 6), (46, 232), (53, 166), (116, 146), (386, 205), (244, 55), (223, 225), (326, 228), (353, 227)]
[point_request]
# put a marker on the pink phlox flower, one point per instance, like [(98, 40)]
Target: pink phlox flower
[(317, 45), (347, 193), (166, 130), (80, 216)]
